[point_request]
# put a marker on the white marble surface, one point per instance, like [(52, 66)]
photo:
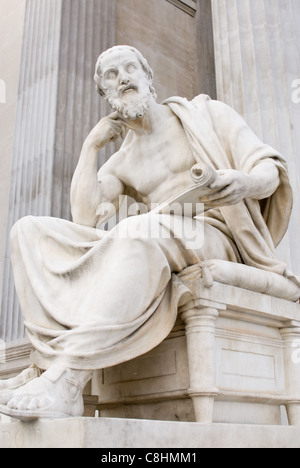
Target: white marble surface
[(125, 433), (93, 299), (238, 351)]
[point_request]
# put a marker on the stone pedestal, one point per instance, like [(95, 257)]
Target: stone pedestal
[(227, 376), (230, 359), (125, 434)]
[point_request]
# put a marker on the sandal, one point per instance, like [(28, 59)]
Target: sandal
[(55, 393), (27, 416)]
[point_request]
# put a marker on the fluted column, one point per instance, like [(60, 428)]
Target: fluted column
[(32, 162), (88, 28), (57, 106), (257, 51)]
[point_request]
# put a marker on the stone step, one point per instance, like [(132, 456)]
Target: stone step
[(129, 433)]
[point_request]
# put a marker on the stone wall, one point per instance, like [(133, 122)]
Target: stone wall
[(166, 36)]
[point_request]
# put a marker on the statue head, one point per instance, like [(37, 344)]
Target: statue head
[(124, 78)]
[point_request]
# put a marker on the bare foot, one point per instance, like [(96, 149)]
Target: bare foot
[(7, 386)]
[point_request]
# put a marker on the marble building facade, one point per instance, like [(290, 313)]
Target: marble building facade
[(243, 52)]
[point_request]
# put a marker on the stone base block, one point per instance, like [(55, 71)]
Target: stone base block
[(125, 433)]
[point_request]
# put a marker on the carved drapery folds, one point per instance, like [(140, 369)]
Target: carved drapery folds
[(257, 56)]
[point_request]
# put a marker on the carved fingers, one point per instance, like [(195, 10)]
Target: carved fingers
[(230, 188), (108, 129)]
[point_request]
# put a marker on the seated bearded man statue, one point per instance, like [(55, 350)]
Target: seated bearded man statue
[(92, 298)]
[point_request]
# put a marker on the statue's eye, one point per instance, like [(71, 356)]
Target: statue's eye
[(131, 68), (111, 75)]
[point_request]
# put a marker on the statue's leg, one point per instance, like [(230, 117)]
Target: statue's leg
[(111, 283)]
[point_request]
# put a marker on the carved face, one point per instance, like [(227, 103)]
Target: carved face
[(125, 83)]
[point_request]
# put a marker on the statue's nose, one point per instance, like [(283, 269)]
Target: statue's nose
[(124, 80)]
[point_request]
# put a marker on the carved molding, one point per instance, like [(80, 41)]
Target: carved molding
[(189, 6), (14, 358)]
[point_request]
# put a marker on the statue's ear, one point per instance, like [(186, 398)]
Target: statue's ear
[(98, 87), (100, 91)]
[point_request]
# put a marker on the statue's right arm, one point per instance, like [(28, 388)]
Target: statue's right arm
[(88, 192)]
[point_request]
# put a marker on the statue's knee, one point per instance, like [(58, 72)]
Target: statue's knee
[(138, 227), (22, 224)]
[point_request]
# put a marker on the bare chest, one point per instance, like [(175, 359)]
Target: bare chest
[(158, 165)]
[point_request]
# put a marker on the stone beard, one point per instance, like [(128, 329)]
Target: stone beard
[(132, 103)]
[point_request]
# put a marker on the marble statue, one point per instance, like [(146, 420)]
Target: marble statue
[(93, 298)]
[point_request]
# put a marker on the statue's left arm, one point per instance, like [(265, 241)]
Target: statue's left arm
[(254, 172), (233, 186)]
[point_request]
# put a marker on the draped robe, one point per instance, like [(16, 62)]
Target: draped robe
[(63, 270)]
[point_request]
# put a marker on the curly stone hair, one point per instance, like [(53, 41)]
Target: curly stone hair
[(146, 67)]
